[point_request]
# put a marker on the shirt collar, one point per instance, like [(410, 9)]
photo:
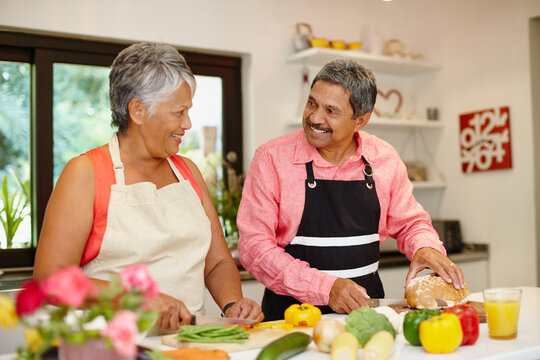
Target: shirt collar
[(305, 152)]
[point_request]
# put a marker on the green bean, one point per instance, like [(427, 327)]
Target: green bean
[(212, 333)]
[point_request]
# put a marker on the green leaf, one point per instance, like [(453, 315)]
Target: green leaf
[(75, 338)]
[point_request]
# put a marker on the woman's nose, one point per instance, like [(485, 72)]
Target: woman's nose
[(186, 123)]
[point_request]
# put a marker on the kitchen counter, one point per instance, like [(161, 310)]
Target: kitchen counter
[(525, 346)]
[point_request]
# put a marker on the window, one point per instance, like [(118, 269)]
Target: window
[(54, 105)]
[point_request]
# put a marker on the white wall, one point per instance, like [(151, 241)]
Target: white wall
[(486, 58), (482, 44)]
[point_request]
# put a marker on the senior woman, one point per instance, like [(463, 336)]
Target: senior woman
[(134, 200)]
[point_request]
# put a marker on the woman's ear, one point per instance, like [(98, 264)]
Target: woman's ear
[(361, 121), (136, 110)]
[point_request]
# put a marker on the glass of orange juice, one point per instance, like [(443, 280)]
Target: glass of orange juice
[(502, 311)]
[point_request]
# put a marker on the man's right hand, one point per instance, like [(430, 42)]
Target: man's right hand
[(346, 296)]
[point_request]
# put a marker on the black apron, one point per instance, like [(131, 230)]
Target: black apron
[(338, 234)]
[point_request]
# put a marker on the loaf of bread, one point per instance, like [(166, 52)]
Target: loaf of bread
[(422, 291)]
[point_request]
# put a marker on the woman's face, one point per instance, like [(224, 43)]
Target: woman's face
[(162, 130)]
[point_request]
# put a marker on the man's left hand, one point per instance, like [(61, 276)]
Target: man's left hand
[(430, 258)]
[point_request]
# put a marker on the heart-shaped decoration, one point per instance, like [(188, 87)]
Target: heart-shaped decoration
[(388, 103)]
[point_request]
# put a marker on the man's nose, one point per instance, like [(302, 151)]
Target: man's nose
[(316, 116)]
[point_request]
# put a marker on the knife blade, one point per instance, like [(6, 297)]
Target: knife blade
[(386, 302), (398, 302), (207, 320)]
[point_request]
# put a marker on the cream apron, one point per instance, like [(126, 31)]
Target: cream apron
[(166, 229)]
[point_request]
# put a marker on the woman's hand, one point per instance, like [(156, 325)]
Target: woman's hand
[(171, 312), (245, 309), (428, 258)]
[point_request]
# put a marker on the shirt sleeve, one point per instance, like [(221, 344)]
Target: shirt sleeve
[(259, 248), (407, 221)]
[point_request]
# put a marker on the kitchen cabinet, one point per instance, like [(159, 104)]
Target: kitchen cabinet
[(414, 76)]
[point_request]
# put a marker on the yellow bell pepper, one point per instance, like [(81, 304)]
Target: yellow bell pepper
[(33, 339), (441, 334), (302, 315), (8, 316)]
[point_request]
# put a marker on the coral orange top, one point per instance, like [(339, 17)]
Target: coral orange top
[(103, 179)]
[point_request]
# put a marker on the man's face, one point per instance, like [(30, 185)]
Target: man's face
[(328, 117)]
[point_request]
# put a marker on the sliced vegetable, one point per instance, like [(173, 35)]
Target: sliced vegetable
[(344, 347), (441, 333), (324, 333), (195, 354), (278, 325), (365, 322), (212, 334), (379, 347), (302, 315), (411, 324), (285, 347), (468, 318)]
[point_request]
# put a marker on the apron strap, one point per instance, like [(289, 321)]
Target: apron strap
[(368, 172), (114, 149), (310, 177), (175, 170)]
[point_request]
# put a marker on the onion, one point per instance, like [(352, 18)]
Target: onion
[(324, 333)]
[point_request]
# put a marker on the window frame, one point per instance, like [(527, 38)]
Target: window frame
[(41, 51)]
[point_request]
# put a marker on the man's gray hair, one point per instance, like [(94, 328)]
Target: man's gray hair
[(149, 72), (357, 80)]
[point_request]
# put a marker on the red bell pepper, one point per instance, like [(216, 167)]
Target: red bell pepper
[(468, 318)]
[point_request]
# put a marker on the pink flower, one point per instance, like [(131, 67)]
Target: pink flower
[(69, 286), (30, 298), (122, 330), (138, 276)]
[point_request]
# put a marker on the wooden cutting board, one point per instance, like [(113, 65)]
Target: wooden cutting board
[(258, 338), (479, 307)]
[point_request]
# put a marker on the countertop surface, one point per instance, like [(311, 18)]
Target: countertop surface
[(525, 346)]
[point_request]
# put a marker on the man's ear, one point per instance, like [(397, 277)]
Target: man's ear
[(136, 110), (362, 121)]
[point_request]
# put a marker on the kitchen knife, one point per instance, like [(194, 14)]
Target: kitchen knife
[(206, 320), (397, 302)]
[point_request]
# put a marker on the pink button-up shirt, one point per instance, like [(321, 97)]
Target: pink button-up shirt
[(273, 202)]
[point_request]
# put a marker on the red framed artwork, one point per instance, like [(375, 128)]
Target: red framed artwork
[(485, 140)]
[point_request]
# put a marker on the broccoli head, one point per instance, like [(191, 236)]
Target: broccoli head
[(365, 322)]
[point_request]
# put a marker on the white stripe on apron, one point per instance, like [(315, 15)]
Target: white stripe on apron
[(352, 273), (335, 241)]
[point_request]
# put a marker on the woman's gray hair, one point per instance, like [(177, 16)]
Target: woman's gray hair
[(357, 80), (149, 72)]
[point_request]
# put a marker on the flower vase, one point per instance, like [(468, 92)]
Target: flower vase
[(89, 350)]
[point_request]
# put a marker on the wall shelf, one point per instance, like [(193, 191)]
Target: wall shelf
[(377, 63)]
